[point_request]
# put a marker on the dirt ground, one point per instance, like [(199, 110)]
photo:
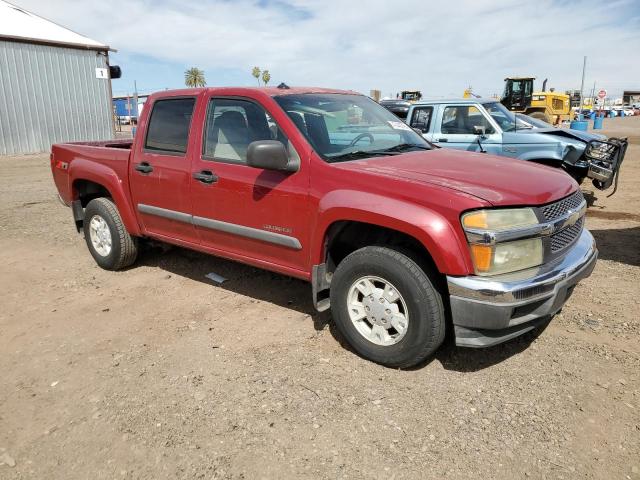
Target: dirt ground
[(156, 372)]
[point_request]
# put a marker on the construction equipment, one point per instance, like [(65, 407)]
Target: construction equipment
[(411, 96), (550, 106), (468, 93)]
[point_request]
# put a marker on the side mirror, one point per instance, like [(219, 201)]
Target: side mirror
[(479, 130), (270, 155)]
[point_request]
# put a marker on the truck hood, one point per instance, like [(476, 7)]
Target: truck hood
[(568, 133), (497, 180)]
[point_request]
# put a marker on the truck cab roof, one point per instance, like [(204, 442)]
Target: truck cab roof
[(457, 101), (269, 91)]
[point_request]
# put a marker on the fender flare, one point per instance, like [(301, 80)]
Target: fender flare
[(436, 233), (81, 169)]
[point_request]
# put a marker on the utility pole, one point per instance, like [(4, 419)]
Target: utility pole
[(135, 99), (584, 66)]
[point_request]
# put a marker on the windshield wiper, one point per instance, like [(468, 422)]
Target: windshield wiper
[(395, 150), (520, 127), (401, 147), (358, 154)]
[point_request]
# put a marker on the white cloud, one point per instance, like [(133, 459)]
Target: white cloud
[(439, 48)]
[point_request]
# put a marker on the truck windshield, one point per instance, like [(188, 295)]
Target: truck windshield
[(504, 117), (348, 127), (534, 122)]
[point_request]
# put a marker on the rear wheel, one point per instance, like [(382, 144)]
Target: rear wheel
[(386, 307), (107, 238)]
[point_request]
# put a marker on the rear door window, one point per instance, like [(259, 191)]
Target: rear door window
[(168, 130), (421, 118)]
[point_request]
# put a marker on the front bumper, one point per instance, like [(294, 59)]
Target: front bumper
[(490, 310), (603, 169)]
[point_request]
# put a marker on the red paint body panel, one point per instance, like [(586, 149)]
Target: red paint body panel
[(421, 194), (498, 180)]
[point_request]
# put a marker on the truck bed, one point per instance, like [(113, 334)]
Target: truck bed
[(122, 144), (105, 157)]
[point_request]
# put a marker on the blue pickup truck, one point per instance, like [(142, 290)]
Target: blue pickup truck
[(485, 125)]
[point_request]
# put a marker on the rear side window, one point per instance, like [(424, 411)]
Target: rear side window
[(168, 129), (421, 118)]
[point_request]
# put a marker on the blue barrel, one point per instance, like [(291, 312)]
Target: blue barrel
[(133, 131), (612, 114), (597, 123), (579, 125), (621, 113)]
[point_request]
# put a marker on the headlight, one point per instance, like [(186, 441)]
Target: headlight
[(491, 257), (538, 97), (507, 257), (598, 150), (499, 220)]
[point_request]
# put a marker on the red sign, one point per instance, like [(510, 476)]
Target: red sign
[(602, 94)]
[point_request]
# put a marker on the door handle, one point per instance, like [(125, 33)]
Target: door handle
[(144, 167), (205, 176), (442, 140)]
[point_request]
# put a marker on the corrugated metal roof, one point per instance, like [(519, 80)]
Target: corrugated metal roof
[(19, 24)]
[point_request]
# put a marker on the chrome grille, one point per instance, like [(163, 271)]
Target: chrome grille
[(558, 209), (566, 237)]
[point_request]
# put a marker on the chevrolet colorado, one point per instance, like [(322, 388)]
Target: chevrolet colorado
[(398, 237)]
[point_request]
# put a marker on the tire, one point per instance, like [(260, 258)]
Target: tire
[(123, 248), (540, 116), (425, 326)]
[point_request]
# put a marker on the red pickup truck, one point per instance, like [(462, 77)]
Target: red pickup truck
[(398, 237)]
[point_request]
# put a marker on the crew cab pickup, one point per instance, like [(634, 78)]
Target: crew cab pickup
[(485, 125), (397, 237)]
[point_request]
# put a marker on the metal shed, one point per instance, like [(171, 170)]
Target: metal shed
[(55, 84)]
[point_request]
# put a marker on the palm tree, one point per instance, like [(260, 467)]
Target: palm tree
[(194, 77), (256, 73), (266, 76)]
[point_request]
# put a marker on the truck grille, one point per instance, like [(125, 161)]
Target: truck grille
[(561, 207), (566, 237)]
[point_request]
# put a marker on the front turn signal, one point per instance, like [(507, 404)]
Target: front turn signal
[(482, 256)]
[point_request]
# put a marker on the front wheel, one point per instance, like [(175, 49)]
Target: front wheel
[(107, 238), (386, 307)]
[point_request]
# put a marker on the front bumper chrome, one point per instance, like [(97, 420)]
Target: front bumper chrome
[(490, 310)]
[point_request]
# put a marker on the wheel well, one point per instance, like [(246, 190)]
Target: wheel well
[(86, 190), (83, 192), (345, 237), (549, 162)]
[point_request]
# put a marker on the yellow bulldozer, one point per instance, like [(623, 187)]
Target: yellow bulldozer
[(550, 106)]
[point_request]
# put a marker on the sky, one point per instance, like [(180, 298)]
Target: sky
[(440, 47)]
